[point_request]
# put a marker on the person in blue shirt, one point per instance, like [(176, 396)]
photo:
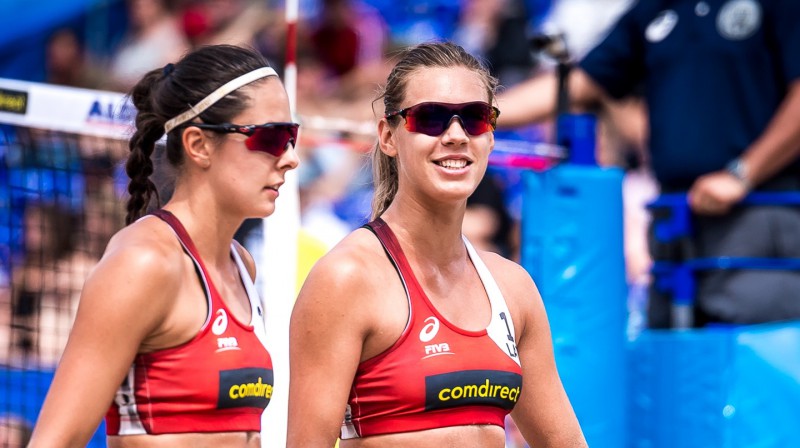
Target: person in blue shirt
[(721, 79)]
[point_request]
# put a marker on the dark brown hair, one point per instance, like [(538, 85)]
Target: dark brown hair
[(163, 94)]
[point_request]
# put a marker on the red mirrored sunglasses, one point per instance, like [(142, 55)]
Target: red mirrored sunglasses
[(271, 138), (432, 118)]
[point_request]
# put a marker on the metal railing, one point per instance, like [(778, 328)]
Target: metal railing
[(678, 276)]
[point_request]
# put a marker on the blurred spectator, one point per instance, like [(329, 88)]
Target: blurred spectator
[(583, 22), (6, 316), (336, 180), (46, 285), (347, 34), (574, 27), (638, 189), (233, 22), (487, 224), (153, 39), (15, 432), (496, 30), (335, 38), (66, 63), (419, 21), (722, 83), (348, 39), (326, 175), (270, 37)]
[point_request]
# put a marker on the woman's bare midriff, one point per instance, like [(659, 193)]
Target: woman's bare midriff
[(195, 440), (471, 436)]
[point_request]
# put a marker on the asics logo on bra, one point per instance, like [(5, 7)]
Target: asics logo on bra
[(430, 329), (220, 322)]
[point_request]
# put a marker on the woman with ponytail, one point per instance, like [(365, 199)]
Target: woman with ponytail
[(404, 334), (168, 342)]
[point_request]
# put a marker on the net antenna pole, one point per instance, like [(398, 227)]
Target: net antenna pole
[(279, 264)]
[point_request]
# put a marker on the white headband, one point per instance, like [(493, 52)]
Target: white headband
[(217, 95)]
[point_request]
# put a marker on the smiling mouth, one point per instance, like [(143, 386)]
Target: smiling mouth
[(453, 164)]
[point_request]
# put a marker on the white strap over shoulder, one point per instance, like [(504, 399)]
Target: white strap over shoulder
[(501, 327)]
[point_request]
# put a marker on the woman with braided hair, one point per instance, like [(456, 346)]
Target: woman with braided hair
[(168, 341)]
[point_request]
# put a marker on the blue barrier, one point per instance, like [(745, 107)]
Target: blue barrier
[(726, 387), (22, 393), (736, 387), (679, 224), (678, 277)]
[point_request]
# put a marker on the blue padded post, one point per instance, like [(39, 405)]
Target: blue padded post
[(577, 132), (572, 247)]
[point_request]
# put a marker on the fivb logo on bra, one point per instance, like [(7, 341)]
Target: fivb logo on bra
[(427, 334), (218, 327)]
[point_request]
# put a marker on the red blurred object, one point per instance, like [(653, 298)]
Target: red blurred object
[(532, 162), (536, 156), (195, 22), (336, 47)]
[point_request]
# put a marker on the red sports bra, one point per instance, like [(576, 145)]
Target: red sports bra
[(219, 381), (436, 374)]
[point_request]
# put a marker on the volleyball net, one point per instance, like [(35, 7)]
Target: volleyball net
[(61, 152)]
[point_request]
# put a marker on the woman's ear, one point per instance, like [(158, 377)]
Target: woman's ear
[(197, 146), (386, 138)]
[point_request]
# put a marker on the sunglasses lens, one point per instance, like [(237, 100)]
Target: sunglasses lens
[(478, 118), (273, 139), (433, 118), (428, 118)]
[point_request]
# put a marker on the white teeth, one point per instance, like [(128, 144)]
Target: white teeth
[(453, 163)]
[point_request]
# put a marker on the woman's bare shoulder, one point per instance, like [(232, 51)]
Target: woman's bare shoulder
[(507, 273), (146, 257), (351, 278), (151, 236), (355, 262)]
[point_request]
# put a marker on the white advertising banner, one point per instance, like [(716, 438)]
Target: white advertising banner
[(68, 109)]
